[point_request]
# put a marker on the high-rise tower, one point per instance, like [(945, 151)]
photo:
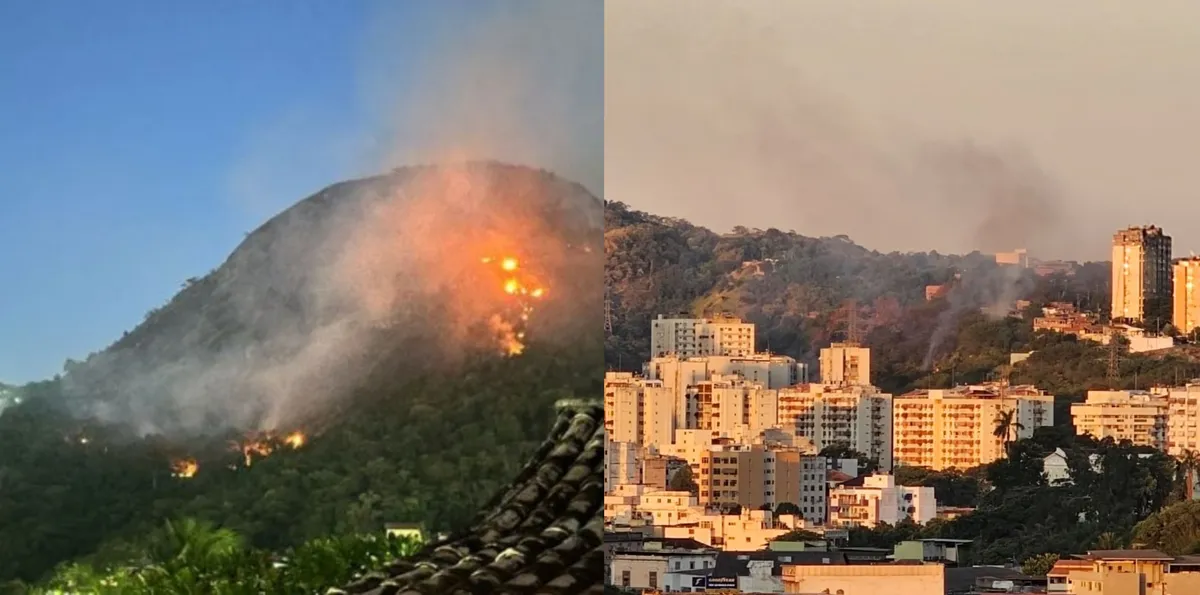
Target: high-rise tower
[(1141, 276)]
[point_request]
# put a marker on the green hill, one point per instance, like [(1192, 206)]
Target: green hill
[(365, 317)]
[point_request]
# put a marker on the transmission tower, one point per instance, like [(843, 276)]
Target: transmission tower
[(848, 314), (608, 322), (1114, 360)]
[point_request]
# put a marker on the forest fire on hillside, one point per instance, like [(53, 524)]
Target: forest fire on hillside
[(184, 468), (522, 287), (262, 445)]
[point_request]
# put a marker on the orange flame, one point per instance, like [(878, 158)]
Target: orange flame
[(296, 439), (510, 334), (184, 468)]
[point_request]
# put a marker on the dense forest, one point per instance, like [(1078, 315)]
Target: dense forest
[(419, 412), (803, 293)]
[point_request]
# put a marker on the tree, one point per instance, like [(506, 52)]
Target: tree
[(787, 508), (1174, 530), (682, 481), (1109, 541), (842, 450), (1006, 427), (1039, 565), (1188, 463), (800, 535)]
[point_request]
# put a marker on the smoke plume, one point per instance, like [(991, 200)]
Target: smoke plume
[(710, 108), (404, 269)]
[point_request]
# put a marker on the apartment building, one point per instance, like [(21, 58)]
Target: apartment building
[(638, 411), (955, 428), (772, 371), (753, 476), (1141, 275), (869, 500), (846, 364), (1183, 419), (730, 405), (1137, 416), (622, 465), (697, 337), (1186, 312), (859, 416)]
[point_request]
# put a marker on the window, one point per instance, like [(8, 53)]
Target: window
[(625, 578), (654, 580)]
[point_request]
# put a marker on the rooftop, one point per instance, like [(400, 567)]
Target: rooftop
[(1126, 555), (542, 534)]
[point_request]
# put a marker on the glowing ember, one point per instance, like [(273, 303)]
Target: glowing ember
[(184, 468), (295, 439), (510, 332)]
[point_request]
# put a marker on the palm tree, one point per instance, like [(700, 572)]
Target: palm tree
[(189, 542), (1006, 427), (1108, 541), (1187, 464)]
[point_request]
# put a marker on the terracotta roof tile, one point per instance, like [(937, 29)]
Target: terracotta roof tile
[(544, 533)]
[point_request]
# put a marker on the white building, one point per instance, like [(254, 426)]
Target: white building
[(1183, 419), (697, 337), (873, 499), (859, 416), (637, 410), (846, 364), (1137, 416), (771, 371), (663, 569), (1056, 469)]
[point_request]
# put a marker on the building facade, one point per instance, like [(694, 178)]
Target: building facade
[(846, 364), (1185, 315), (873, 499), (955, 428), (1137, 416), (1141, 275), (1183, 419), (698, 337), (858, 416), (638, 411)]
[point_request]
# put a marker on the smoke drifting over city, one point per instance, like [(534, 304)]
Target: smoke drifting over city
[(829, 119), (425, 266)]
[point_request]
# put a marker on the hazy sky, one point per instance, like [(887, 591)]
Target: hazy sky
[(140, 140), (910, 125)]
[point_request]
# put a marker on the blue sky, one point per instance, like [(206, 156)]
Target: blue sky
[(140, 140)]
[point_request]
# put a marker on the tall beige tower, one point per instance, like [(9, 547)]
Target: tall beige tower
[(1141, 276), (1186, 315), (846, 364)]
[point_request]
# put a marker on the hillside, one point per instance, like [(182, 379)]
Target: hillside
[(365, 317), (799, 291)]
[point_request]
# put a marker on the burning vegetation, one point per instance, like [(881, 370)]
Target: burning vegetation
[(522, 289), (254, 447), (184, 468), (263, 444)]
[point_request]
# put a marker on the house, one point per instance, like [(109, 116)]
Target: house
[(931, 550), (970, 580), (1136, 572)]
